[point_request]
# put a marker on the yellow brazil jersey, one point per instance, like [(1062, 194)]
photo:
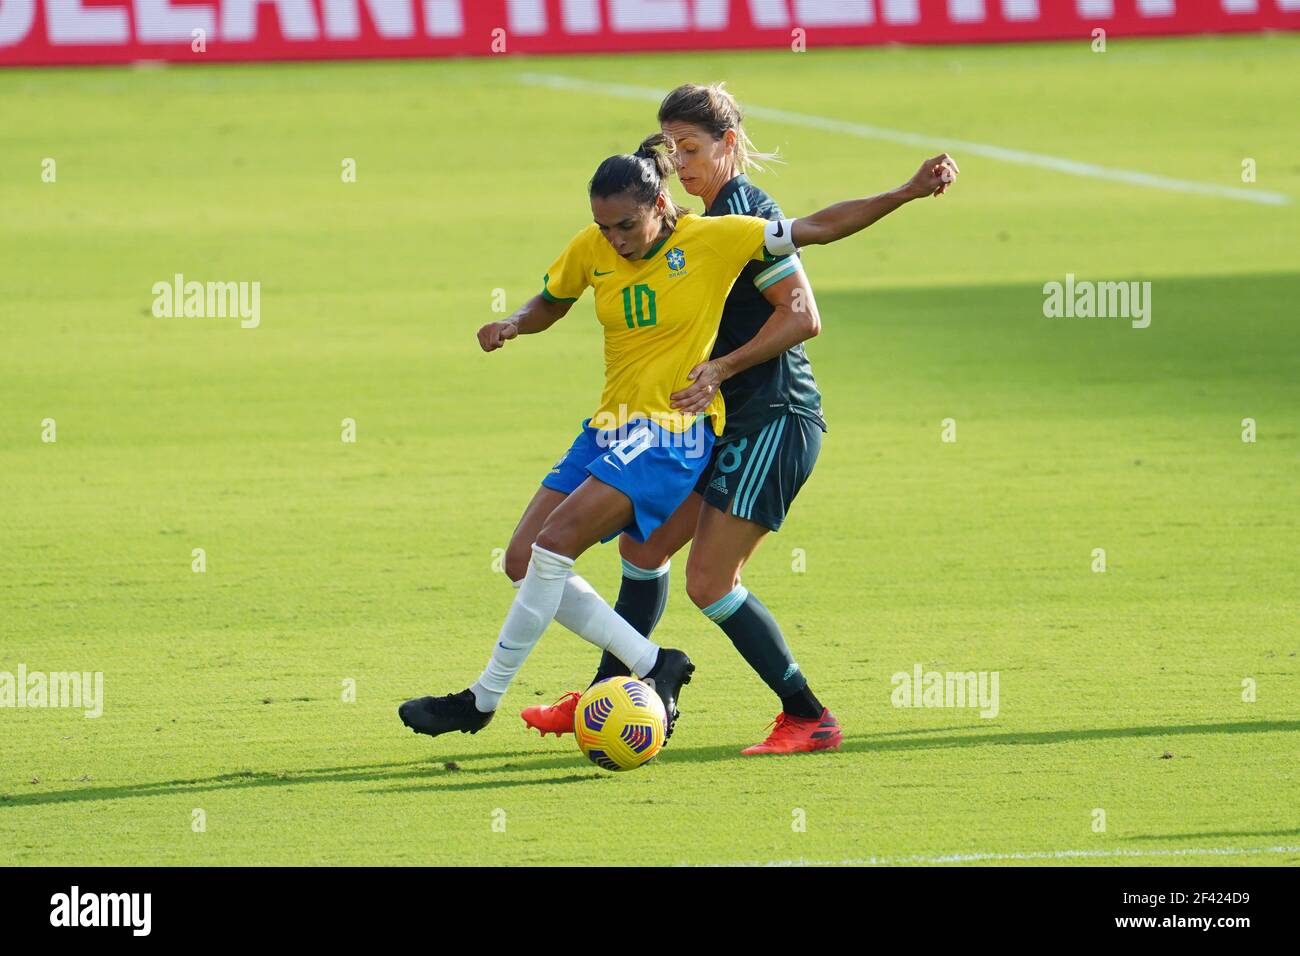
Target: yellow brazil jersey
[(660, 313)]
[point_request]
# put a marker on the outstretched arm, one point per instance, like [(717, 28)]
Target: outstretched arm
[(845, 218), (536, 315)]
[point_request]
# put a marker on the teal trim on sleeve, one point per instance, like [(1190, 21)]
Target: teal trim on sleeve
[(780, 270)]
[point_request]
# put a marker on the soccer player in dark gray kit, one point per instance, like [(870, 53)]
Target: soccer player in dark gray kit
[(773, 431)]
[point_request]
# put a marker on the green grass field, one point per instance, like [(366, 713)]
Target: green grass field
[(372, 562)]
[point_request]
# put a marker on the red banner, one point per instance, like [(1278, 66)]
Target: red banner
[(34, 32)]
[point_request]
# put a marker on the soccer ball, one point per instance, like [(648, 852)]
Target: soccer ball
[(620, 723)]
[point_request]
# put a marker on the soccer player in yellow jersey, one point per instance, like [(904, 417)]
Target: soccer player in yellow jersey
[(660, 276), (764, 457)]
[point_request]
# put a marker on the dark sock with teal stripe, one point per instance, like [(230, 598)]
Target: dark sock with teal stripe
[(754, 631), (642, 597)]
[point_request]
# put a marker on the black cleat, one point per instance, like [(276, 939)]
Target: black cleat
[(442, 715), (671, 672)]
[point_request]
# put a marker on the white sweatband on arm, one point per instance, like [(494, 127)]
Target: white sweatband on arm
[(778, 237)]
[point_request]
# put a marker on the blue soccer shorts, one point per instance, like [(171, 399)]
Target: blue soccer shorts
[(656, 468)]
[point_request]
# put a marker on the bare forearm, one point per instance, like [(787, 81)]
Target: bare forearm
[(835, 222), (793, 320), (538, 314), (845, 218), (783, 330)]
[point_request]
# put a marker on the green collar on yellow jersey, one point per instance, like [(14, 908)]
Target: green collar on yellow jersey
[(657, 246)]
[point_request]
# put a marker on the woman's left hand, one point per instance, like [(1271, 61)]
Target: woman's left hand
[(705, 379)]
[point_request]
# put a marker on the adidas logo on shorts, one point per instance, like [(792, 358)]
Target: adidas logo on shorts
[(719, 484)]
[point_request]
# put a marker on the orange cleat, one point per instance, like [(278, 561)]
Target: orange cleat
[(556, 719), (796, 735)]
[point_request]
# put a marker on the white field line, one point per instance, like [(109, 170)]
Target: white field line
[(927, 142), (1042, 855)]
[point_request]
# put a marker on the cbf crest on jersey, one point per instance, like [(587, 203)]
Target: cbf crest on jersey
[(676, 262)]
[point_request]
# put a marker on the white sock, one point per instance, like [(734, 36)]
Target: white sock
[(584, 612), (533, 609), (588, 615)]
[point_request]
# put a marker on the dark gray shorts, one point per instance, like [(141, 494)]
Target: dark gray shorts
[(757, 477)]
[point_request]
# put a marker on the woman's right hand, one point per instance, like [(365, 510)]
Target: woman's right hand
[(933, 178), (495, 334)]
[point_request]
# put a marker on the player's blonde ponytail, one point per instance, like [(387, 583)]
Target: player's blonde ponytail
[(714, 109)]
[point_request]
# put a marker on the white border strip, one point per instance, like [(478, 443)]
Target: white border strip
[(1043, 855), (1056, 164)]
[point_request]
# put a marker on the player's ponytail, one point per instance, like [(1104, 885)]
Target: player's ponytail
[(652, 149), (644, 173), (712, 108)]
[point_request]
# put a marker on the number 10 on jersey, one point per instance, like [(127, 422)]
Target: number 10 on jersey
[(645, 305)]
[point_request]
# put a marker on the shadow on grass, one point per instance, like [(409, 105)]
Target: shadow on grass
[(1294, 831), (900, 741), (470, 765)]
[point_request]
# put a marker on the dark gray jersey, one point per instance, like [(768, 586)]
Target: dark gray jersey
[(779, 385)]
